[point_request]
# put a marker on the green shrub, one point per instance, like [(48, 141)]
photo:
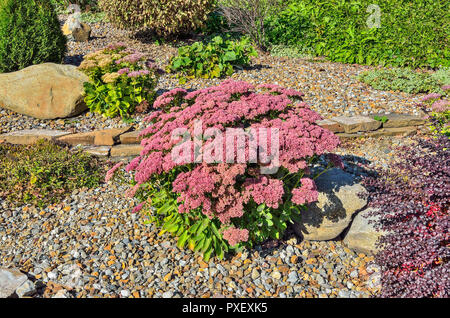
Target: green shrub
[(44, 173), (411, 33), (29, 34), (120, 81), (214, 59), (165, 18), (405, 80)]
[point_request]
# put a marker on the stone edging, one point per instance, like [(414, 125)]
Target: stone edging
[(123, 142)]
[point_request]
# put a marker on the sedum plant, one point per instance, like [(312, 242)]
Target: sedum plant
[(29, 34), (211, 60), (217, 196), (439, 107), (164, 17), (121, 81)]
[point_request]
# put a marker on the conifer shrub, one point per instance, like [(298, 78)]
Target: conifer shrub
[(29, 34), (216, 195)]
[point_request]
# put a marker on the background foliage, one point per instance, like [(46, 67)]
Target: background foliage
[(164, 17), (412, 33)]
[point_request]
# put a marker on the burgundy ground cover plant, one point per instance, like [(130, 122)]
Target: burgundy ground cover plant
[(412, 201), (226, 204)]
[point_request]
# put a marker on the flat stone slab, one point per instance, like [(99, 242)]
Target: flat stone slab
[(400, 131), (109, 137), (86, 138), (131, 137), (357, 123), (31, 136), (99, 151), (331, 125), (126, 150), (395, 120), (10, 280)]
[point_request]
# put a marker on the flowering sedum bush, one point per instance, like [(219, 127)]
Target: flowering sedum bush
[(215, 192), (440, 111), (120, 81), (164, 17)]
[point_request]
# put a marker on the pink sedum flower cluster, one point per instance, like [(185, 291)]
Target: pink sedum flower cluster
[(222, 189)]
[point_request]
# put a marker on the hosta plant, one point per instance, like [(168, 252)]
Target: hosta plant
[(120, 81), (412, 201), (228, 166), (214, 59)]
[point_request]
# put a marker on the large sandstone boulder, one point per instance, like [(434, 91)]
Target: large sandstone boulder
[(338, 200), (44, 91), (362, 235)]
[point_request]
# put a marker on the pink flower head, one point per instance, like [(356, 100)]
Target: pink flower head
[(123, 71), (113, 170), (431, 96), (440, 106), (134, 74), (307, 193), (235, 236)]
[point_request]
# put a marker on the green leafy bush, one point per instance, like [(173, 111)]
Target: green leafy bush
[(44, 173), (214, 59), (120, 81), (405, 80), (29, 34), (165, 18), (410, 33)]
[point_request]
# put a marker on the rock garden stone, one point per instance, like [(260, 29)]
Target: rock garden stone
[(357, 123), (31, 136), (338, 200), (400, 131), (10, 280), (44, 91), (331, 125), (362, 235), (108, 137), (395, 120), (82, 34), (126, 150), (86, 138), (98, 151), (131, 137)]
